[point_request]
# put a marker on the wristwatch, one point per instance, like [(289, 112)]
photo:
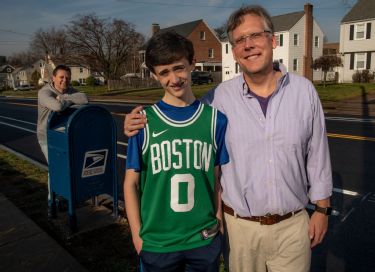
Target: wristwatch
[(326, 210)]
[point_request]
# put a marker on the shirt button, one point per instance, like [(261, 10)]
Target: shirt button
[(270, 161)]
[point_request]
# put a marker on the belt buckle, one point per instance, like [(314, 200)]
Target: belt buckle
[(266, 219)]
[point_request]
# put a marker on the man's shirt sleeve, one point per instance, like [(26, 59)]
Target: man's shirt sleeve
[(134, 152), (222, 156)]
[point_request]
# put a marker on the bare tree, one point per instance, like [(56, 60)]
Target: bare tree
[(221, 30), (326, 63), (102, 45), (51, 41), (25, 58)]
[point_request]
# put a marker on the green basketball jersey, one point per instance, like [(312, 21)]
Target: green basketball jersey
[(177, 180)]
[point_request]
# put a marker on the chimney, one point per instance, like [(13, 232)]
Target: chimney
[(155, 28), (307, 69)]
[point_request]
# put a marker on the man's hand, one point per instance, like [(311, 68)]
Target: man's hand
[(317, 228), (137, 241), (134, 121)]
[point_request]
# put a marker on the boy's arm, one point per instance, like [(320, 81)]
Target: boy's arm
[(132, 206), (218, 203)]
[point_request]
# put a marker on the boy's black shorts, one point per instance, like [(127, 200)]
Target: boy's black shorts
[(206, 258)]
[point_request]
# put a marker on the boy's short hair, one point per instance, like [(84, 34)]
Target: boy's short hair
[(167, 47), (61, 67), (236, 18)]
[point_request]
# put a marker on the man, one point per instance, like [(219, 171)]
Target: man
[(172, 195), (55, 96), (279, 157)]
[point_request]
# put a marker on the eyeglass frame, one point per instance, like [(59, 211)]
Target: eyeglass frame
[(253, 36)]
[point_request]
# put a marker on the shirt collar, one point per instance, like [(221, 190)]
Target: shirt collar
[(283, 80)]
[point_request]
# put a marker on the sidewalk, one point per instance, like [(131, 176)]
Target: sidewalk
[(26, 247)]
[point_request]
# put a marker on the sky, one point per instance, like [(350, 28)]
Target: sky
[(20, 19)]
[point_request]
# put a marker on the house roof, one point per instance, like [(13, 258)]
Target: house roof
[(286, 21), (282, 22), (183, 29), (362, 10)]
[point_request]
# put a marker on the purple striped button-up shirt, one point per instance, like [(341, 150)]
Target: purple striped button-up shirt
[(278, 162)]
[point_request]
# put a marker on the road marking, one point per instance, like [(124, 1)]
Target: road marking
[(21, 121), (351, 137), (22, 104), (121, 143), (353, 209), (351, 119), (29, 130), (345, 192)]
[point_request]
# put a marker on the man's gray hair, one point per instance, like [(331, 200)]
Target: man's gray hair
[(236, 18)]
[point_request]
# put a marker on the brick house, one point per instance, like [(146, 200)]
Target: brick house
[(207, 46), (357, 39)]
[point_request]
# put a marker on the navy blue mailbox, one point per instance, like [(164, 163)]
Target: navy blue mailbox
[(82, 156)]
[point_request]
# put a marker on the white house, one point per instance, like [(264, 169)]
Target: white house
[(357, 39), (293, 46)]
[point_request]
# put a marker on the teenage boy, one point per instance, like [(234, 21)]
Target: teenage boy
[(171, 188)]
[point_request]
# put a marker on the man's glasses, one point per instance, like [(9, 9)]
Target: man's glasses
[(254, 37)]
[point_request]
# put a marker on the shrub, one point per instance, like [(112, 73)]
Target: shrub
[(364, 76), (75, 83), (90, 81)]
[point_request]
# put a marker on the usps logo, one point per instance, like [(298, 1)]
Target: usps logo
[(94, 163)]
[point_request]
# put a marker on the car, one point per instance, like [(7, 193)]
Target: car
[(23, 87), (200, 77)]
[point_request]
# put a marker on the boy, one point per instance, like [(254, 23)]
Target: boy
[(171, 188)]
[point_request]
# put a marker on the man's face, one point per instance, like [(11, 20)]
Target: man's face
[(175, 78), (61, 80), (252, 48)]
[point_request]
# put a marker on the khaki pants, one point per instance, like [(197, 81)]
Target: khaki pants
[(284, 246)]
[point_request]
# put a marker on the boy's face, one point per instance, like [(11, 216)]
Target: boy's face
[(175, 78)]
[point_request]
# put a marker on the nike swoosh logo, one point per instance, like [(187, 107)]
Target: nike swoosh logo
[(156, 134)]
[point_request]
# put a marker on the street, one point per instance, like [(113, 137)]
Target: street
[(350, 242)]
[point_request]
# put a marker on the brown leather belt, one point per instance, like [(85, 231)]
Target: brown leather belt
[(268, 219)]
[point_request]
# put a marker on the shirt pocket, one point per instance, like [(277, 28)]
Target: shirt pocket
[(296, 133)]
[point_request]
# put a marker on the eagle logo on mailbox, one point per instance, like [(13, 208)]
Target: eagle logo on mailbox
[(94, 163)]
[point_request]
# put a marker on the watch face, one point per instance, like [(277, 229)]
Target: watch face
[(328, 211)]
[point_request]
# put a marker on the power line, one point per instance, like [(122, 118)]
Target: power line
[(14, 32)]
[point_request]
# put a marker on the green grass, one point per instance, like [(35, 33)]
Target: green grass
[(338, 92), (332, 92)]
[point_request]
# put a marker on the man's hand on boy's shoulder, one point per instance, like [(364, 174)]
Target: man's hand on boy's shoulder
[(134, 121)]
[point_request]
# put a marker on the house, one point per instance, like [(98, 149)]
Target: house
[(79, 73), (299, 40), (207, 46), (357, 39), (24, 75), (6, 77)]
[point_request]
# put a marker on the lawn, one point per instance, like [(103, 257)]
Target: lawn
[(332, 92)]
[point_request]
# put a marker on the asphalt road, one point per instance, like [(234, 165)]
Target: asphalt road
[(350, 242)]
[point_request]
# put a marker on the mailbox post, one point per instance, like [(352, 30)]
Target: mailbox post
[(82, 157)]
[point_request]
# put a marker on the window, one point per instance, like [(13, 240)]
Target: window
[(360, 61), (280, 60), (280, 40), (295, 39), (226, 48), (295, 65), (80, 70), (359, 31), (211, 53), (316, 41), (202, 35)]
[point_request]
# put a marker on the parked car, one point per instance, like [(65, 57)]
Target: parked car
[(199, 77), (24, 87)]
